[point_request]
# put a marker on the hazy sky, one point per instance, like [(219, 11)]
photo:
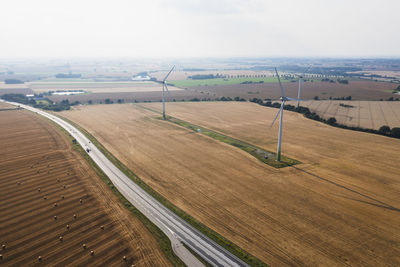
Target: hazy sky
[(199, 28)]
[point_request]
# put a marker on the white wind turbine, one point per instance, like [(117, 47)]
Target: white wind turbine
[(300, 83), (164, 83), (283, 99)]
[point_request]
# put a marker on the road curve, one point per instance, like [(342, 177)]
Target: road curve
[(172, 225)]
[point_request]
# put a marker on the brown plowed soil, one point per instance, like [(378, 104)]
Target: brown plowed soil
[(41, 176), (339, 207)]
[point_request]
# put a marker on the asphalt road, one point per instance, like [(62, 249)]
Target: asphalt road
[(173, 226)]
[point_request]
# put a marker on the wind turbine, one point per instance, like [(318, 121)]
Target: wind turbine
[(164, 83), (283, 99), (300, 83)]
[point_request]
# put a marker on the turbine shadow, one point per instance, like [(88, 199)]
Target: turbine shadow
[(381, 204), (373, 204)]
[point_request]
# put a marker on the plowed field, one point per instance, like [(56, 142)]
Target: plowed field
[(52, 203), (340, 207)]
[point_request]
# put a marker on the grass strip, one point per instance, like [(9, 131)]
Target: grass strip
[(219, 239), (262, 155), (161, 238)]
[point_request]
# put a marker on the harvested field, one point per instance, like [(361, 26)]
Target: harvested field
[(12, 86), (183, 75), (44, 184), (340, 207), (358, 90), (129, 97), (14, 89), (6, 106), (98, 87), (365, 114)]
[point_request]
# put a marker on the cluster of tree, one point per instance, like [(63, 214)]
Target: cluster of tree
[(19, 98), (394, 132), (340, 98), (68, 75), (53, 106), (342, 81), (250, 82), (46, 104), (12, 81), (205, 76), (219, 99), (391, 99), (327, 80), (384, 130), (317, 70)]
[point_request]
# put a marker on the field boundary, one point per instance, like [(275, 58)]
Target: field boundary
[(219, 239), (161, 238)]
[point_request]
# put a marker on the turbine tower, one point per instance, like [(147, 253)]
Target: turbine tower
[(283, 99), (300, 83), (164, 83), (299, 90)]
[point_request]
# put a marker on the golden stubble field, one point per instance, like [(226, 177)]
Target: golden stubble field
[(340, 207), (52, 203), (365, 114)]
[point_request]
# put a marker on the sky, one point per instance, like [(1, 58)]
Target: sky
[(199, 28)]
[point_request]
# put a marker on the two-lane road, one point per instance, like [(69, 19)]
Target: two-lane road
[(173, 226)]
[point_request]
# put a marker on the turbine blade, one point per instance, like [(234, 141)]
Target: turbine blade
[(280, 84), (166, 87), (168, 73), (277, 114)]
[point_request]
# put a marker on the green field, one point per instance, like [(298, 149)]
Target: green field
[(222, 81)]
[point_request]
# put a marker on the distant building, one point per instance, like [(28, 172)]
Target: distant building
[(141, 78)]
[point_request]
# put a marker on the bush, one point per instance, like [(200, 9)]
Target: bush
[(384, 130), (331, 121), (395, 132)]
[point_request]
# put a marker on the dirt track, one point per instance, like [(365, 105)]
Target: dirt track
[(36, 162), (340, 207)]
